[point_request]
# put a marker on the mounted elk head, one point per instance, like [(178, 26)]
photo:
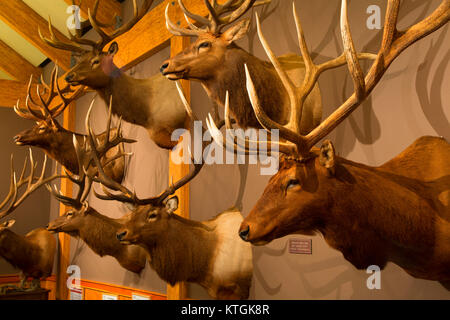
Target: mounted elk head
[(96, 230), (218, 63), (50, 136), (396, 212), (33, 253), (181, 249), (151, 103)]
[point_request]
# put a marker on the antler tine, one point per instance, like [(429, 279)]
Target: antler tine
[(392, 44), (106, 38), (351, 56), (203, 21), (55, 43), (29, 98), (32, 182), (236, 14), (175, 30), (95, 155)]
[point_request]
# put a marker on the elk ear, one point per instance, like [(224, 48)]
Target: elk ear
[(8, 224), (327, 156), (113, 48), (172, 204), (237, 31)]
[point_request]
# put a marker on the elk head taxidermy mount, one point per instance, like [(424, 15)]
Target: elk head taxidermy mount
[(82, 221), (209, 253), (151, 103), (50, 136), (396, 212), (33, 253), (218, 63)]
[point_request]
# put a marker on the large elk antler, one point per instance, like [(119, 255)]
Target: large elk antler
[(84, 159), (93, 149), (216, 19), (77, 43), (32, 183), (393, 43), (45, 111)]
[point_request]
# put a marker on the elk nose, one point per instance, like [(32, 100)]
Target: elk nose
[(120, 235), (69, 77), (244, 233), (164, 67)]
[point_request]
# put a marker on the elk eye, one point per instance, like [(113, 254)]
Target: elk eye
[(69, 214), (292, 183), (152, 215), (95, 62), (204, 45)]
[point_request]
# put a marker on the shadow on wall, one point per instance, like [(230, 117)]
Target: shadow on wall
[(431, 99), (337, 85)]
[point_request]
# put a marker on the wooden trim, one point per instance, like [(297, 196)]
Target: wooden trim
[(26, 22), (123, 292), (15, 65), (107, 10), (64, 239), (176, 172)]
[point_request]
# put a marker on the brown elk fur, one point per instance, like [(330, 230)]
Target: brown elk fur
[(207, 253), (33, 253), (99, 233), (220, 68), (396, 212), (57, 143)]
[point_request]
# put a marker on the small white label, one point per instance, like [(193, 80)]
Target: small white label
[(109, 297), (300, 246), (139, 297), (76, 294)]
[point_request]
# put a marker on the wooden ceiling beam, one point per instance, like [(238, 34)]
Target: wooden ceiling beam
[(107, 10), (150, 34), (146, 38), (13, 90), (25, 21), (15, 65)]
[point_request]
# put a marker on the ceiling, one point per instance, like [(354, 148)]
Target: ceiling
[(58, 11)]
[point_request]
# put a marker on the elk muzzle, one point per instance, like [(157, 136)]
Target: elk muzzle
[(243, 233), (170, 70), (121, 235), (251, 233), (70, 77)]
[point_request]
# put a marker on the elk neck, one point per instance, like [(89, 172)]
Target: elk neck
[(130, 97), (183, 252), (99, 233), (18, 250), (61, 148), (392, 217), (232, 79)]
